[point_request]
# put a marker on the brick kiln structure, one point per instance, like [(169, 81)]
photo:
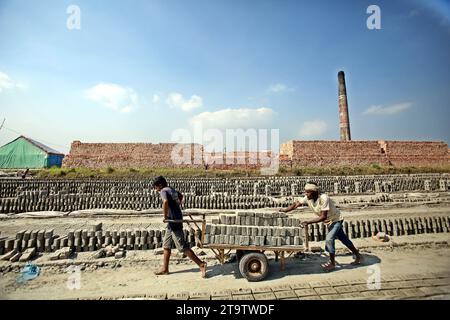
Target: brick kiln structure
[(292, 154), (354, 153), (237, 159), (131, 155)]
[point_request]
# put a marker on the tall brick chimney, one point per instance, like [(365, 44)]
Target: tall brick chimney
[(344, 123)]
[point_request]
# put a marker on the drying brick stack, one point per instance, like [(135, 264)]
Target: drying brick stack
[(255, 229)]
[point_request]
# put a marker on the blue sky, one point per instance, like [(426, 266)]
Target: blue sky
[(138, 70)]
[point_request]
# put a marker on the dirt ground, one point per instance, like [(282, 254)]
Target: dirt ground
[(135, 277), (420, 256)]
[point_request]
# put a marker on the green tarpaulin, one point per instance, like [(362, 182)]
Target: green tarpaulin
[(25, 153)]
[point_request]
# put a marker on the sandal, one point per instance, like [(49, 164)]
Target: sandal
[(328, 266), (358, 260)]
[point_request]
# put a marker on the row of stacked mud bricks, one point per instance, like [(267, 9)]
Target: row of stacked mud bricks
[(242, 228), (254, 229), (45, 195), (32, 202), (85, 240), (394, 227), (237, 186), (277, 229)]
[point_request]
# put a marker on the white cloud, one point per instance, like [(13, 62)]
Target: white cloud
[(156, 98), (389, 110), (113, 96), (313, 128), (176, 100), (234, 118), (7, 83), (279, 88)]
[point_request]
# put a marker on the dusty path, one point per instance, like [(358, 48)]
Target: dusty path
[(406, 271), (135, 278)]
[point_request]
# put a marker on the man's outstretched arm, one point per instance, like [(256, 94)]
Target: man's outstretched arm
[(293, 206), (322, 217)]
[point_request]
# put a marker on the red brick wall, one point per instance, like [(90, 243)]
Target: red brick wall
[(238, 159), (353, 153), (407, 153), (128, 155), (333, 153), (295, 153)]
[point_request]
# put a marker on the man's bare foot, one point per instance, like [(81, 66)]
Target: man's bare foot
[(203, 269), (328, 266), (161, 272), (358, 260)]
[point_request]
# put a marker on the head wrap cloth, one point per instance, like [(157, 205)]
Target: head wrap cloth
[(311, 187)]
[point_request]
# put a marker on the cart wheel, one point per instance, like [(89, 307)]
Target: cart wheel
[(254, 266)]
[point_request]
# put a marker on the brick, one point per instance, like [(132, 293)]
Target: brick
[(331, 297), (228, 297), (241, 291), (403, 284), (178, 296), (310, 298), (345, 289), (19, 235), (361, 287), (201, 295), (336, 283), (264, 296), (119, 254), (243, 297), (404, 277), (8, 255), (221, 293), (27, 255), (15, 257), (325, 290), (305, 292), (441, 281), (350, 295), (384, 293), (262, 290), (419, 283), (387, 285), (357, 281), (285, 294), (319, 284), (431, 291), (157, 296), (413, 292), (300, 285), (370, 294), (389, 292), (48, 234), (281, 287)]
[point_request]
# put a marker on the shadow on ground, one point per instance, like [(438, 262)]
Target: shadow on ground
[(306, 264)]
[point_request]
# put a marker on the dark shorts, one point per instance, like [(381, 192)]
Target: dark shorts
[(175, 237)]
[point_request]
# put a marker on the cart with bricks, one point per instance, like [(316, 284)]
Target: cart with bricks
[(251, 235)]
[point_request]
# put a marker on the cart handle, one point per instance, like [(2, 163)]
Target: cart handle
[(182, 221)]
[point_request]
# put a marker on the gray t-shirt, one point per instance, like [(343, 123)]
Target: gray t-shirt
[(173, 198)]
